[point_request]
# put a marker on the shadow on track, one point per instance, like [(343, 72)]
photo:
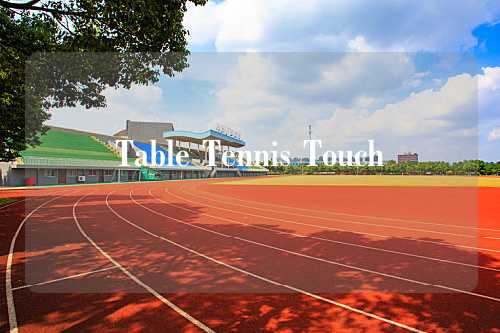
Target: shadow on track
[(109, 302)]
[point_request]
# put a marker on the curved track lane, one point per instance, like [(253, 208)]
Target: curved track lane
[(198, 256)]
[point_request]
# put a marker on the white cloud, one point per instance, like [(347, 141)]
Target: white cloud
[(138, 103), (315, 25), (489, 88), (441, 123), (491, 79), (489, 116), (203, 22), (359, 44), (428, 112), (367, 73), (247, 97), (494, 134)]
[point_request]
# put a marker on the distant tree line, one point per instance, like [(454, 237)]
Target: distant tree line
[(470, 167)]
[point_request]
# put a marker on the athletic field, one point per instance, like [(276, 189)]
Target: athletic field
[(293, 254), (347, 180)]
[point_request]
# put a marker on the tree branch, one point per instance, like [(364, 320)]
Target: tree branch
[(60, 22), (19, 5), (30, 6)]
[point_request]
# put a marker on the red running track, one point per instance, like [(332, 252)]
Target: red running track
[(197, 256)]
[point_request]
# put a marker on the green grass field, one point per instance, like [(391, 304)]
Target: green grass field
[(4, 201), (346, 180)]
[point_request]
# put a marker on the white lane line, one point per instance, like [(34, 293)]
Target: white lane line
[(331, 262), (262, 278), (345, 221), (65, 278), (346, 230), (344, 214), (11, 308), (489, 237), (319, 238), (134, 278)]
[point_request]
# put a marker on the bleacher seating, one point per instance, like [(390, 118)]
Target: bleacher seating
[(66, 144)]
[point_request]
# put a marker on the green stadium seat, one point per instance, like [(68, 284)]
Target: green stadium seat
[(64, 144)]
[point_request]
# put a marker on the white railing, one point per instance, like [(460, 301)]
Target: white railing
[(73, 162), (76, 162)]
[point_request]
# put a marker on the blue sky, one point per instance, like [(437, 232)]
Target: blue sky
[(414, 75)]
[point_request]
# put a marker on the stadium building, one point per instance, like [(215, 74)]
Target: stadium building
[(70, 156)]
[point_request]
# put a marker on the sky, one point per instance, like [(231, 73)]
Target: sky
[(420, 76)]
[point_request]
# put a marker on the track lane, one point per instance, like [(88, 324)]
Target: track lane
[(193, 248), (271, 311), (483, 310), (50, 254), (466, 282), (9, 262), (137, 280), (54, 294), (373, 232), (54, 248), (208, 189), (220, 299), (472, 205), (11, 309), (214, 214), (461, 238), (443, 274)]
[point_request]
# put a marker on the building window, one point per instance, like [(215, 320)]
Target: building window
[(72, 172), (108, 172), (92, 173)]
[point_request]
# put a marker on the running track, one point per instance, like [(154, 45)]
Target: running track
[(195, 256)]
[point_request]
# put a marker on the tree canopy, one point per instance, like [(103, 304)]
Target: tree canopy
[(60, 53), (468, 167)]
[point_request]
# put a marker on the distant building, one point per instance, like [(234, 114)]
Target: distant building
[(408, 157), (145, 131)]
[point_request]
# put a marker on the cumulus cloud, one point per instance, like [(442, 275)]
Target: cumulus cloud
[(272, 25), (439, 124), (247, 95), (137, 103), (354, 98), (489, 115), (429, 111), (278, 94), (489, 88), (367, 73)]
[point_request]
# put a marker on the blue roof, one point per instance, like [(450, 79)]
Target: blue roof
[(146, 147), (199, 136)]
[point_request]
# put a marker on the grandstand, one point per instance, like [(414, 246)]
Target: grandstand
[(69, 156), (192, 141), (64, 144)]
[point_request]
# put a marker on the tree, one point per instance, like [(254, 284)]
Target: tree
[(133, 42)]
